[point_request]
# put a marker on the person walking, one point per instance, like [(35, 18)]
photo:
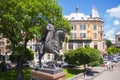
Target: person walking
[(108, 65), (112, 66)]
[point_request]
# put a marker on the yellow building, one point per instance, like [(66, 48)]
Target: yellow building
[(86, 30)]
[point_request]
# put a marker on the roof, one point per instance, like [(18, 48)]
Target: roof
[(81, 16), (77, 16)]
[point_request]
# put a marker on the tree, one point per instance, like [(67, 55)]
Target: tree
[(94, 55), (113, 50), (108, 43), (69, 57), (20, 20), (29, 54), (88, 55), (83, 56)]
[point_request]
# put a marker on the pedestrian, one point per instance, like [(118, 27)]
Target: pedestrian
[(108, 65), (84, 73), (112, 66)]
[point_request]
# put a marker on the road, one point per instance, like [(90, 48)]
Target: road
[(109, 74)]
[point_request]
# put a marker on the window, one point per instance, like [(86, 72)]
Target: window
[(95, 45), (76, 45), (73, 35), (95, 27), (74, 27), (80, 44), (48, 56), (82, 27), (82, 35), (95, 35), (70, 45), (87, 44), (118, 39)]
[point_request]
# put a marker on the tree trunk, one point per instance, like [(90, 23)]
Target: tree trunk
[(19, 68)]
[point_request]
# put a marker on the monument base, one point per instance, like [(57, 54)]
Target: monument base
[(38, 75), (51, 71)]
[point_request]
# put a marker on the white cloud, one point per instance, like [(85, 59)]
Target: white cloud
[(113, 15), (116, 22), (110, 34), (114, 12)]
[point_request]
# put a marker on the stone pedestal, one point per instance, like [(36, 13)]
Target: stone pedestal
[(46, 76)]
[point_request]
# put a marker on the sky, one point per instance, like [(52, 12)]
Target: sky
[(109, 11)]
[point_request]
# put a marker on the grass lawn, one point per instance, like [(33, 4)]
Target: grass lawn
[(71, 72), (10, 74)]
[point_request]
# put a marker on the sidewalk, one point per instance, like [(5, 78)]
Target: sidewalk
[(96, 70), (110, 74)]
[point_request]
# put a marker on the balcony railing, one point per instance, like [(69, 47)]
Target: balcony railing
[(79, 38)]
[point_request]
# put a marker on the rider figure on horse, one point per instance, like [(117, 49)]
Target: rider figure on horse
[(48, 36)]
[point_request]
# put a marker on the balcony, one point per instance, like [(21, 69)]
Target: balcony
[(79, 39)]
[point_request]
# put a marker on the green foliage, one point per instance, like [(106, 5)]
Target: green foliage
[(13, 57), (94, 54), (83, 56), (20, 20), (69, 57), (113, 50), (23, 20), (27, 56), (72, 72), (118, 50), (109, 43), (10, 74), (95, 63)]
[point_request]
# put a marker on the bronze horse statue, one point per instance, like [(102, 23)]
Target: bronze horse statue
[(51, 43)]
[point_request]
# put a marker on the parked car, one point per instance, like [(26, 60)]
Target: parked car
[(118, 58), (69, 66), (115, 60)]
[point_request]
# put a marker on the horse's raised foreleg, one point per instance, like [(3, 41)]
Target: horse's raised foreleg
[(57, 58)]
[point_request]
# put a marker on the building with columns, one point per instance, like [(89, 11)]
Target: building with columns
[(87, 30)]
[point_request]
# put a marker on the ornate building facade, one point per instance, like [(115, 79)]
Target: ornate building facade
[(87, 30)]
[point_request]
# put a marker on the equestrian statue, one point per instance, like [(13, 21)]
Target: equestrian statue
[(51, 42)]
